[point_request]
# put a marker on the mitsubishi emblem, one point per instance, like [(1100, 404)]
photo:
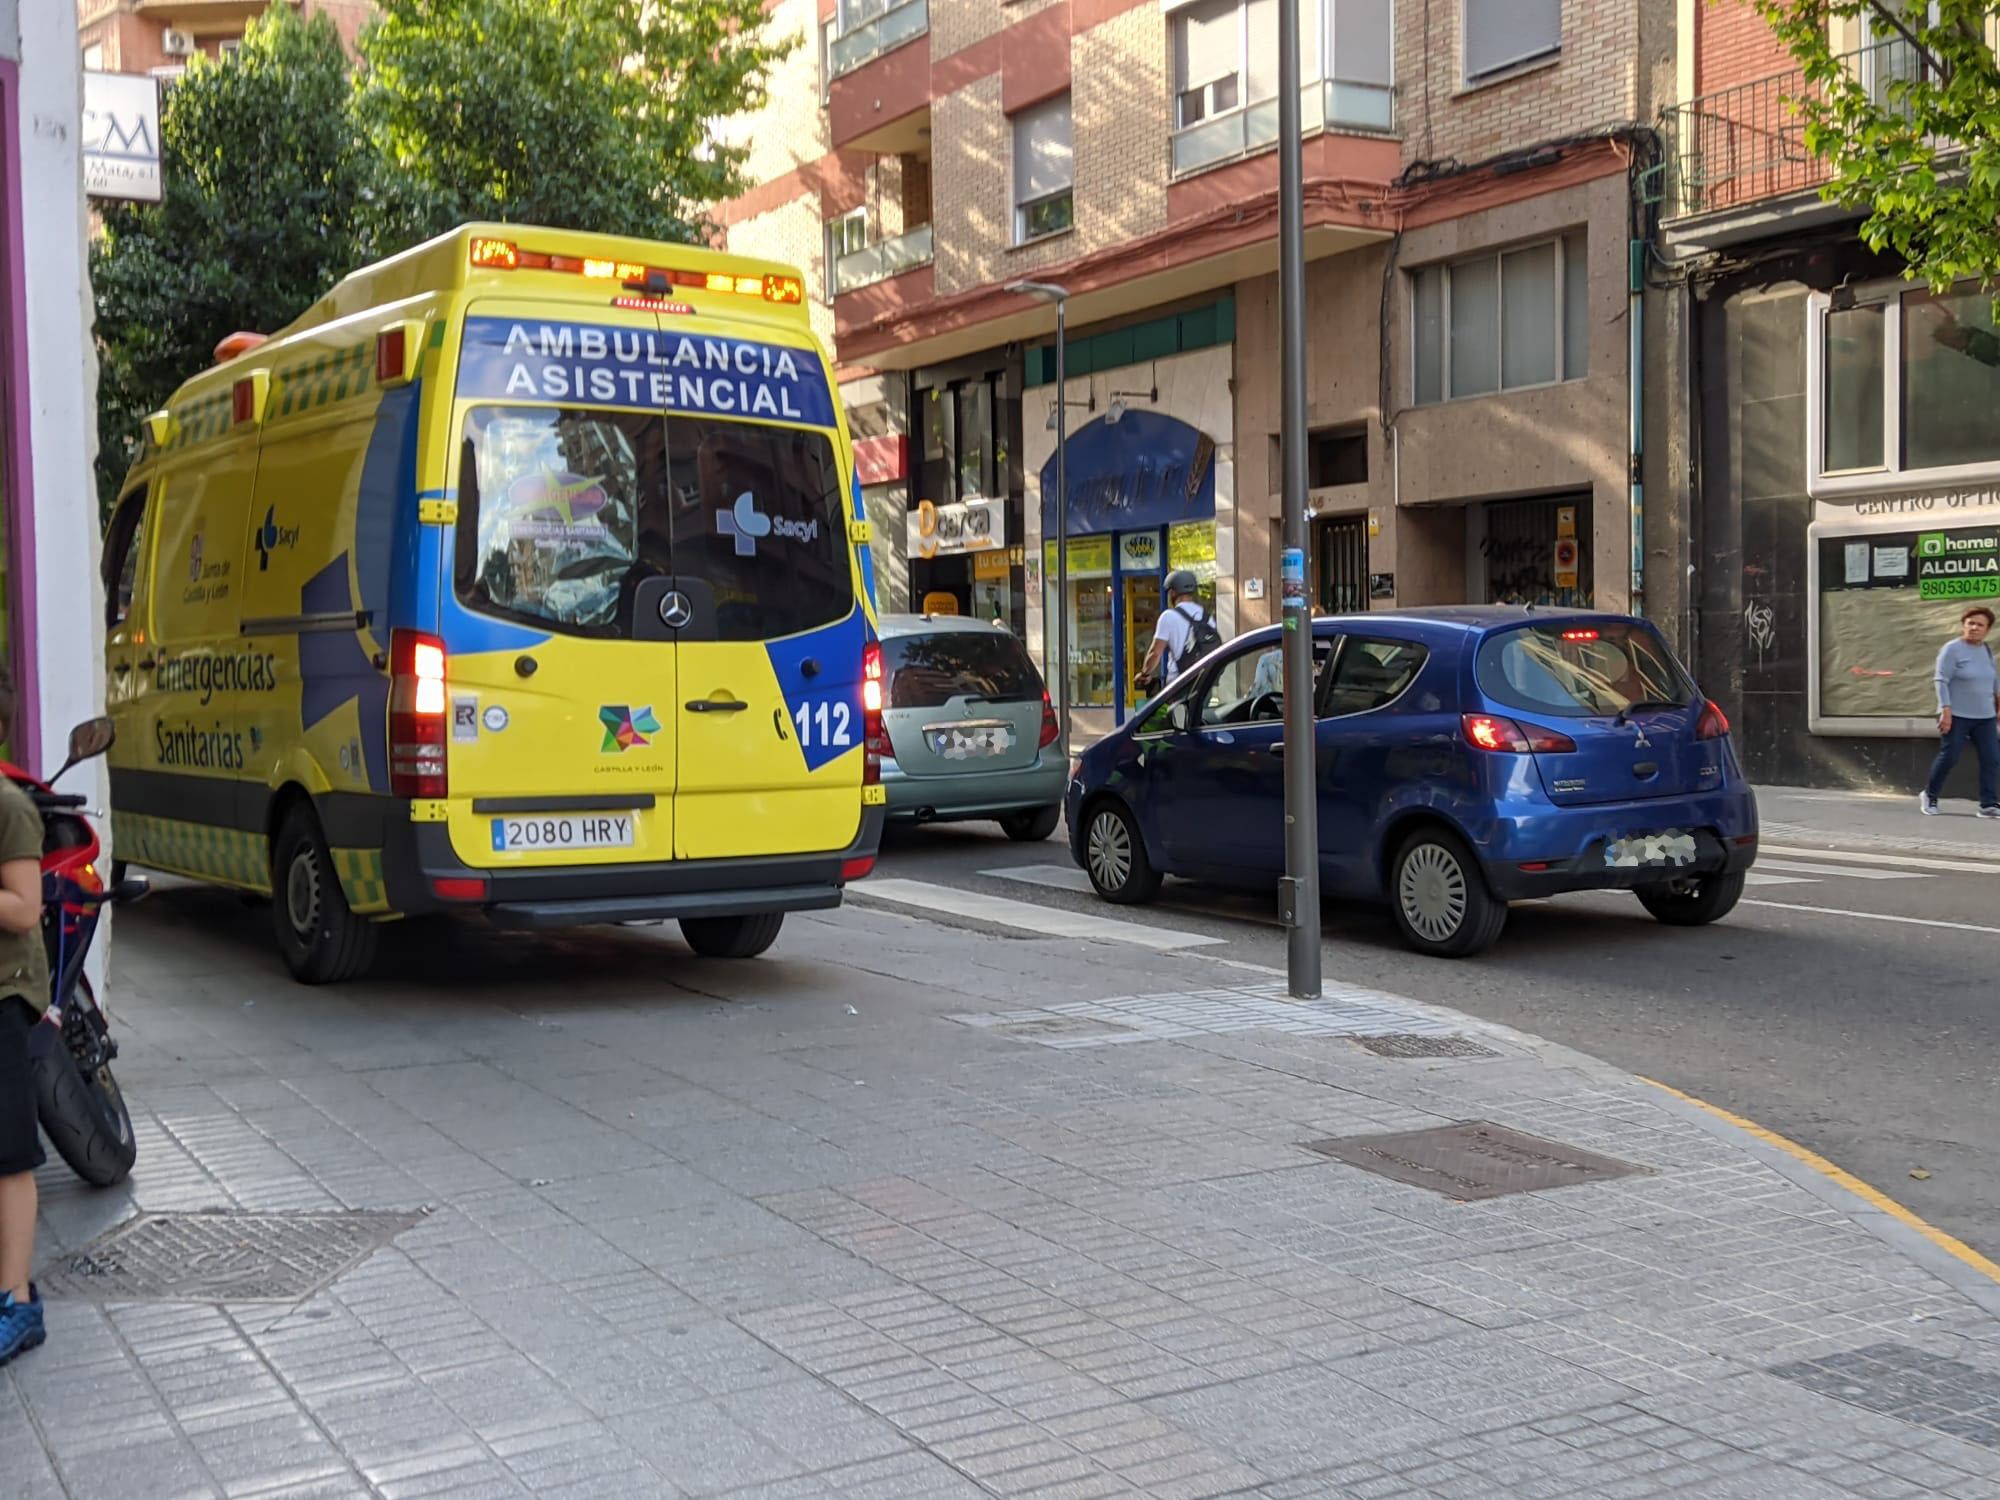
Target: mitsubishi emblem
[(675, 611)]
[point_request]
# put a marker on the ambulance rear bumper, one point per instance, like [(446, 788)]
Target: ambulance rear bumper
[(594, 895)]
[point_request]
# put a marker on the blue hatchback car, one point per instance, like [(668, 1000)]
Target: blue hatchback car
[(1466, 757)]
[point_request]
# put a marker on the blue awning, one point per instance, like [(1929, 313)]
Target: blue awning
[(1146, 469)]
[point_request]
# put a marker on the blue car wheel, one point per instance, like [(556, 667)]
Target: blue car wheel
[(1440, 898), (1114, 855)]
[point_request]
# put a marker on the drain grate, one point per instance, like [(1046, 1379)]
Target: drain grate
[(222, 1256), (1474, 1160), (1407, 1044)]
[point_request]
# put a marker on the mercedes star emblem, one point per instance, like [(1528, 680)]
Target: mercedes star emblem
[(675, 611)]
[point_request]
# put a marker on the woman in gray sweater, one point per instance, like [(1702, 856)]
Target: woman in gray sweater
[(1968, 699)]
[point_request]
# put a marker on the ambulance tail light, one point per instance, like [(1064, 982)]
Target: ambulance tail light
[(875, 743), (418, 715)]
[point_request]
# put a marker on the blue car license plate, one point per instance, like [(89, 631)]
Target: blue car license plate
[(1667, 849)]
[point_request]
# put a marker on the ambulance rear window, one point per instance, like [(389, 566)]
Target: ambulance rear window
[(565, 512)]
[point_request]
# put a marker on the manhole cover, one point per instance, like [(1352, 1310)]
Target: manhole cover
[(1473, 1160), (1055, 1028), (1404, 1044), (221, 1257)]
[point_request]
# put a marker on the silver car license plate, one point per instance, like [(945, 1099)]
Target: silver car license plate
[(970, 741), (1671, 847)]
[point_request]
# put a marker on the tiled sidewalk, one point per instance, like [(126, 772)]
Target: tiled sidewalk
[(888, 1214)]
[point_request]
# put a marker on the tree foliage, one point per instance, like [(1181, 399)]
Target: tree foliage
[(582, 114), (1911, 135), (266, 202), (285, 167)]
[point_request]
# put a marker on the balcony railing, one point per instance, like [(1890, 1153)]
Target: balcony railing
[(880, 261), (1740, 145), (876, 29), (1324, 104)]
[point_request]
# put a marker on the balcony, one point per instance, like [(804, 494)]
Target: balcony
[(880, 261), (1324, 104), (1741, 146), (875, 27)]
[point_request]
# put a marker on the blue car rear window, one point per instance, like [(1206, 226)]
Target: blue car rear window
[(1582, 669)]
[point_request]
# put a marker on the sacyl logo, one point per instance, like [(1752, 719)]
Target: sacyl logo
[(747, 525), (271, 536)]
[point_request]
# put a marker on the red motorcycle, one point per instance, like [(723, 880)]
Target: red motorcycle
[(82, 1111)]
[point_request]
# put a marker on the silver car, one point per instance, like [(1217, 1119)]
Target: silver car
[(971, 733)]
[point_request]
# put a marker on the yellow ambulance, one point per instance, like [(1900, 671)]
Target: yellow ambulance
[(525, 573)]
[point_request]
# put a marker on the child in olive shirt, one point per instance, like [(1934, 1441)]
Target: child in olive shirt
[(24, 995)]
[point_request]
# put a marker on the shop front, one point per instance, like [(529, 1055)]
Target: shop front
[(1141, 506), (965, 519)]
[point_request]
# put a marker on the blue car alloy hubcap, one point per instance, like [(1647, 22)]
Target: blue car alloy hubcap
[(1110, 851), (1431, 891)]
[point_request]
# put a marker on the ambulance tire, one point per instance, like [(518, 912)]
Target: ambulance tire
[(323, 942), (732, 937)]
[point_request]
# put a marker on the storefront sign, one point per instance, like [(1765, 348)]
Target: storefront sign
[(1918, 505), (121, 136), (1565, 561), (1954, 564), (991, 567), (1087, 555), (977, 525), (940, 602), (1145, 470), (1139, 552)]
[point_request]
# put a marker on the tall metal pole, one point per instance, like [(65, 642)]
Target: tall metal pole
[(1299, 893), (1062, 531)]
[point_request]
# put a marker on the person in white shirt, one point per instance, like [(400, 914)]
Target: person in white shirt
[(1175, 631)]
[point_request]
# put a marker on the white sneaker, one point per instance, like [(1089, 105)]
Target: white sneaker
[(1927, 804), (1989, 812)]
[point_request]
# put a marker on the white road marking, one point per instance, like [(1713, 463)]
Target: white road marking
[(1045, 921), (1907, 861), (1874, 916), (1758, 877), (1060, 877), (1806, 867)]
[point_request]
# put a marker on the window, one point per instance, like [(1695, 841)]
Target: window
[(1208, 61), (1903, 383), (1500, 322), (1337, 455), (844, 236), (1372, 674), (1043, 171), (93, 58), (929, 671), (1584, 672), (565, 513), (825, 61), (1249, 688), (228, 46), (122, 556), (1504, 34)]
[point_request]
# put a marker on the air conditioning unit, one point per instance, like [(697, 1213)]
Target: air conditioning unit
[(176, 43)]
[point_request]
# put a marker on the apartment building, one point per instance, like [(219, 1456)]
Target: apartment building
[(159, 36), (1470, 207), (1846, 457)]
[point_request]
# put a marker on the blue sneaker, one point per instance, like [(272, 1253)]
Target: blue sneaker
[(20, 1324)]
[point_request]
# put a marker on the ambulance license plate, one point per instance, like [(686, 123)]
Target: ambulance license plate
[(577, 831)]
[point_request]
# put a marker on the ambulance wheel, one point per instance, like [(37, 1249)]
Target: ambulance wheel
[(732, 937), (323, 942)]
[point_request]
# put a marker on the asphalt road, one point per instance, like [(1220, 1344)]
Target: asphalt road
[(1812, 1010)]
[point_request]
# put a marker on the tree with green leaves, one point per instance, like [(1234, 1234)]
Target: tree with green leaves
[(580, 114), (267, 193), (1911, 134)]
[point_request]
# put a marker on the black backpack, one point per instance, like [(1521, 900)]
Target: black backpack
[(1203, 638)]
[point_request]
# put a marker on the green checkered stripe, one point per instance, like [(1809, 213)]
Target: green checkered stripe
[(360, 872), (323, 380), (427, 367), (199, 421), (223, 855)]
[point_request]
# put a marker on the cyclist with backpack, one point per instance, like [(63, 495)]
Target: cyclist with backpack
[(1186, 633)]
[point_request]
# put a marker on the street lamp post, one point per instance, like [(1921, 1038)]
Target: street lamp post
[(1300, 898), (1060, 296)]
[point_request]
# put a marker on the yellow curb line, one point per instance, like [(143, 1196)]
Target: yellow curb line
[(1951, 1246)]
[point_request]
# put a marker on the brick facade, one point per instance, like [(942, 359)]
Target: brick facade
[(1733, 45)]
